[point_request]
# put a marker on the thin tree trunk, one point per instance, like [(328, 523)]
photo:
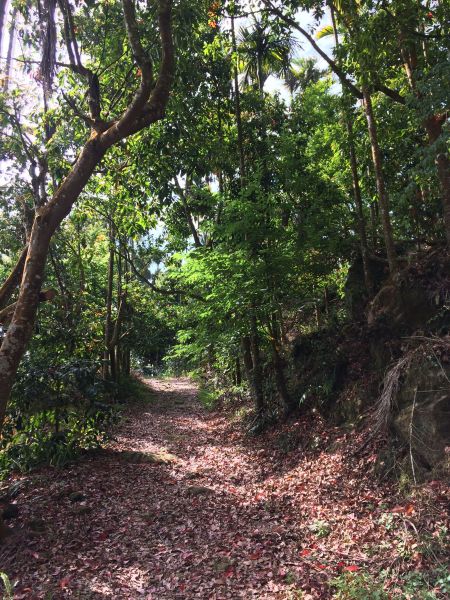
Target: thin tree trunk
[(374, 224), (278, 366), (121, 304), (359, 208), (443, 169), (247, 358), (355, 181), (80, 260), (3, 4), (11, 33), (257, 373), (187, 211), (253, 370), (238, 371), (237, 107), (107, 362), (433, 125), (254, 373), (383, 197), (280, 380)]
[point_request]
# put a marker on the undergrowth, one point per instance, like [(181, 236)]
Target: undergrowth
[(413, 585), (57, 411), (208, 396)]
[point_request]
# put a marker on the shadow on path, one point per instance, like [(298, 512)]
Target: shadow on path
[(179, 506)]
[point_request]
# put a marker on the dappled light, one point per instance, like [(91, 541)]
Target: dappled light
[(227, 515), (224, 300)]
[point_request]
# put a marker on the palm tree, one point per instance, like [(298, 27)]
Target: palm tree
[(301, 73), (263, 52)]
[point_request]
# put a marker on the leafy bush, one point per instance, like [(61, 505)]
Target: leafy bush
[(208, 396), (57, 410)]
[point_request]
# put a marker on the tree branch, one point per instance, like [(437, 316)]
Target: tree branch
[(154, 109), (13, 280), (77, 111), (187, 212), (387, 91), (127, 122), (8, 311), (151, 285), (77, 66)]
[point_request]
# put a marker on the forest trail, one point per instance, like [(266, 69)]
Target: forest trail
[(182, 505)]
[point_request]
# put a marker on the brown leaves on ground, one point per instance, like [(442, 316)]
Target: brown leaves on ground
[(212, 514)]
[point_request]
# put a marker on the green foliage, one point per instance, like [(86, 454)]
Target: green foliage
[(357, 586), (208, 396), (320, 528), (56, 412), (420, 585), (232, 219)]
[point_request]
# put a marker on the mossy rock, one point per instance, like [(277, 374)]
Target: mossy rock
[(157, 458), (423, 417)]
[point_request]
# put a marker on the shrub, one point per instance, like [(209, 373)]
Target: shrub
[(56, 411)]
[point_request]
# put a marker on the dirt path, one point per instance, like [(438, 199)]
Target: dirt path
[(183, 506)]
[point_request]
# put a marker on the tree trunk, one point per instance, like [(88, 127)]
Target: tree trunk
[(47, 219), (187, 211), (359, 208), (121, 304), (13, 280), (238, 374), (3, 4), (383, 197), (11, 33), (278, 367), (247, 358), (237, 108), (107, 358), (257, 373), (280, 380), (433, 126), (374, 224)]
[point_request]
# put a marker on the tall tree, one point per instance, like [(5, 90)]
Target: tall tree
[(146, 107)]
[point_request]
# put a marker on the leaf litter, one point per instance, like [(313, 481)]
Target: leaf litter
[(221, 516)]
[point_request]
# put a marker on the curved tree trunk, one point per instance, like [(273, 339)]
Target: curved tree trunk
[(146, 107), (13, 280), (45, 223)]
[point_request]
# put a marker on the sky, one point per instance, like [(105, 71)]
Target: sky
[(273, 84), (305, 50)]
